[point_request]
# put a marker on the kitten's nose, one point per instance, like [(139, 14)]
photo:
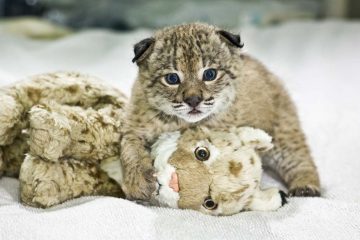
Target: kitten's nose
[(193, 101)]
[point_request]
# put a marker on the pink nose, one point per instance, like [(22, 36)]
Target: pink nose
[(174, 182)]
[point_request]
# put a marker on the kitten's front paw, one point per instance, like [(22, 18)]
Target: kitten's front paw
[(304, 191), (141, 186)]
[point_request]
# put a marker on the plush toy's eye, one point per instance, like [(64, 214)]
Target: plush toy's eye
[(209, 74), (209, 204), (172, 79), (202, 153)]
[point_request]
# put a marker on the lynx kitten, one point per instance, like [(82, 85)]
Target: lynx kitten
[(196, 74)]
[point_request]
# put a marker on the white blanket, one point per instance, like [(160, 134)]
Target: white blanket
[(319, 63)]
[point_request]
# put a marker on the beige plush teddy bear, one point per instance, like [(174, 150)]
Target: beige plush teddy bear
[(69, 127), (66, 124)]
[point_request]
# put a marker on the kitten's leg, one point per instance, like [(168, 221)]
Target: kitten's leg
[(44, 183), (139, 180), (291, 157), (267, 200)]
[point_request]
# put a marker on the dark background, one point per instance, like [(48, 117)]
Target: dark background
[(131, 14)]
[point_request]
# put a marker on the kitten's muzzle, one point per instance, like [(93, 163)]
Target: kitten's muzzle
[(193, 101)]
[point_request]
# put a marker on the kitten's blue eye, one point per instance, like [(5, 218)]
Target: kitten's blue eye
[(209, 74), (172, 79)]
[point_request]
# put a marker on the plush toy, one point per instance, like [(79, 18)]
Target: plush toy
[(69, 127), (215, 172), (66, 124)]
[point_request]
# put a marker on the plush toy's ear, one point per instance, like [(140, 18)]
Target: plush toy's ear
[(231, 38), (142, 49), (256, 138)]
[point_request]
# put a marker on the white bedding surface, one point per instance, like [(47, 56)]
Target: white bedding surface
[(319, 63)]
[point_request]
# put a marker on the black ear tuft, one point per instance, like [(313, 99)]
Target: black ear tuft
[(232, 38), (141, 47)]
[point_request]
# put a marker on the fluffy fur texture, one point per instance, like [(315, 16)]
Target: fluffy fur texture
[(230, 177), (72, 124), (244, 93), (69, 127), (161, 152)]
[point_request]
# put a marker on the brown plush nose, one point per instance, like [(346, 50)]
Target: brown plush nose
[(193, 101)]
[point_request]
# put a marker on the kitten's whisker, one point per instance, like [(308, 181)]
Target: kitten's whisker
[(156, 115), (178, 106)]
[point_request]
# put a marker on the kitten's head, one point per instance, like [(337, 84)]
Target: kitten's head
[(189, 70)]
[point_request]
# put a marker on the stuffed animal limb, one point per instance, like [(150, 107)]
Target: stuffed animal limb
[(67, 144), (59, 130), (65, 88), (44, 183), (11, 118), (12, 156), (267, 200)]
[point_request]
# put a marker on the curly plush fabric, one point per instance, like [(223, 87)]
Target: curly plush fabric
[(66, 124)]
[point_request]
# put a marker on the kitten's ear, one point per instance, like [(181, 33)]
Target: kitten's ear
[(234, 39), (142, 49)]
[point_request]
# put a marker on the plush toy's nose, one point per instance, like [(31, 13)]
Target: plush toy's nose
[(174, 182)]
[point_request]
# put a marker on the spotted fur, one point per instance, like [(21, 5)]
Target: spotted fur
[(244, 93), (228, 177)]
